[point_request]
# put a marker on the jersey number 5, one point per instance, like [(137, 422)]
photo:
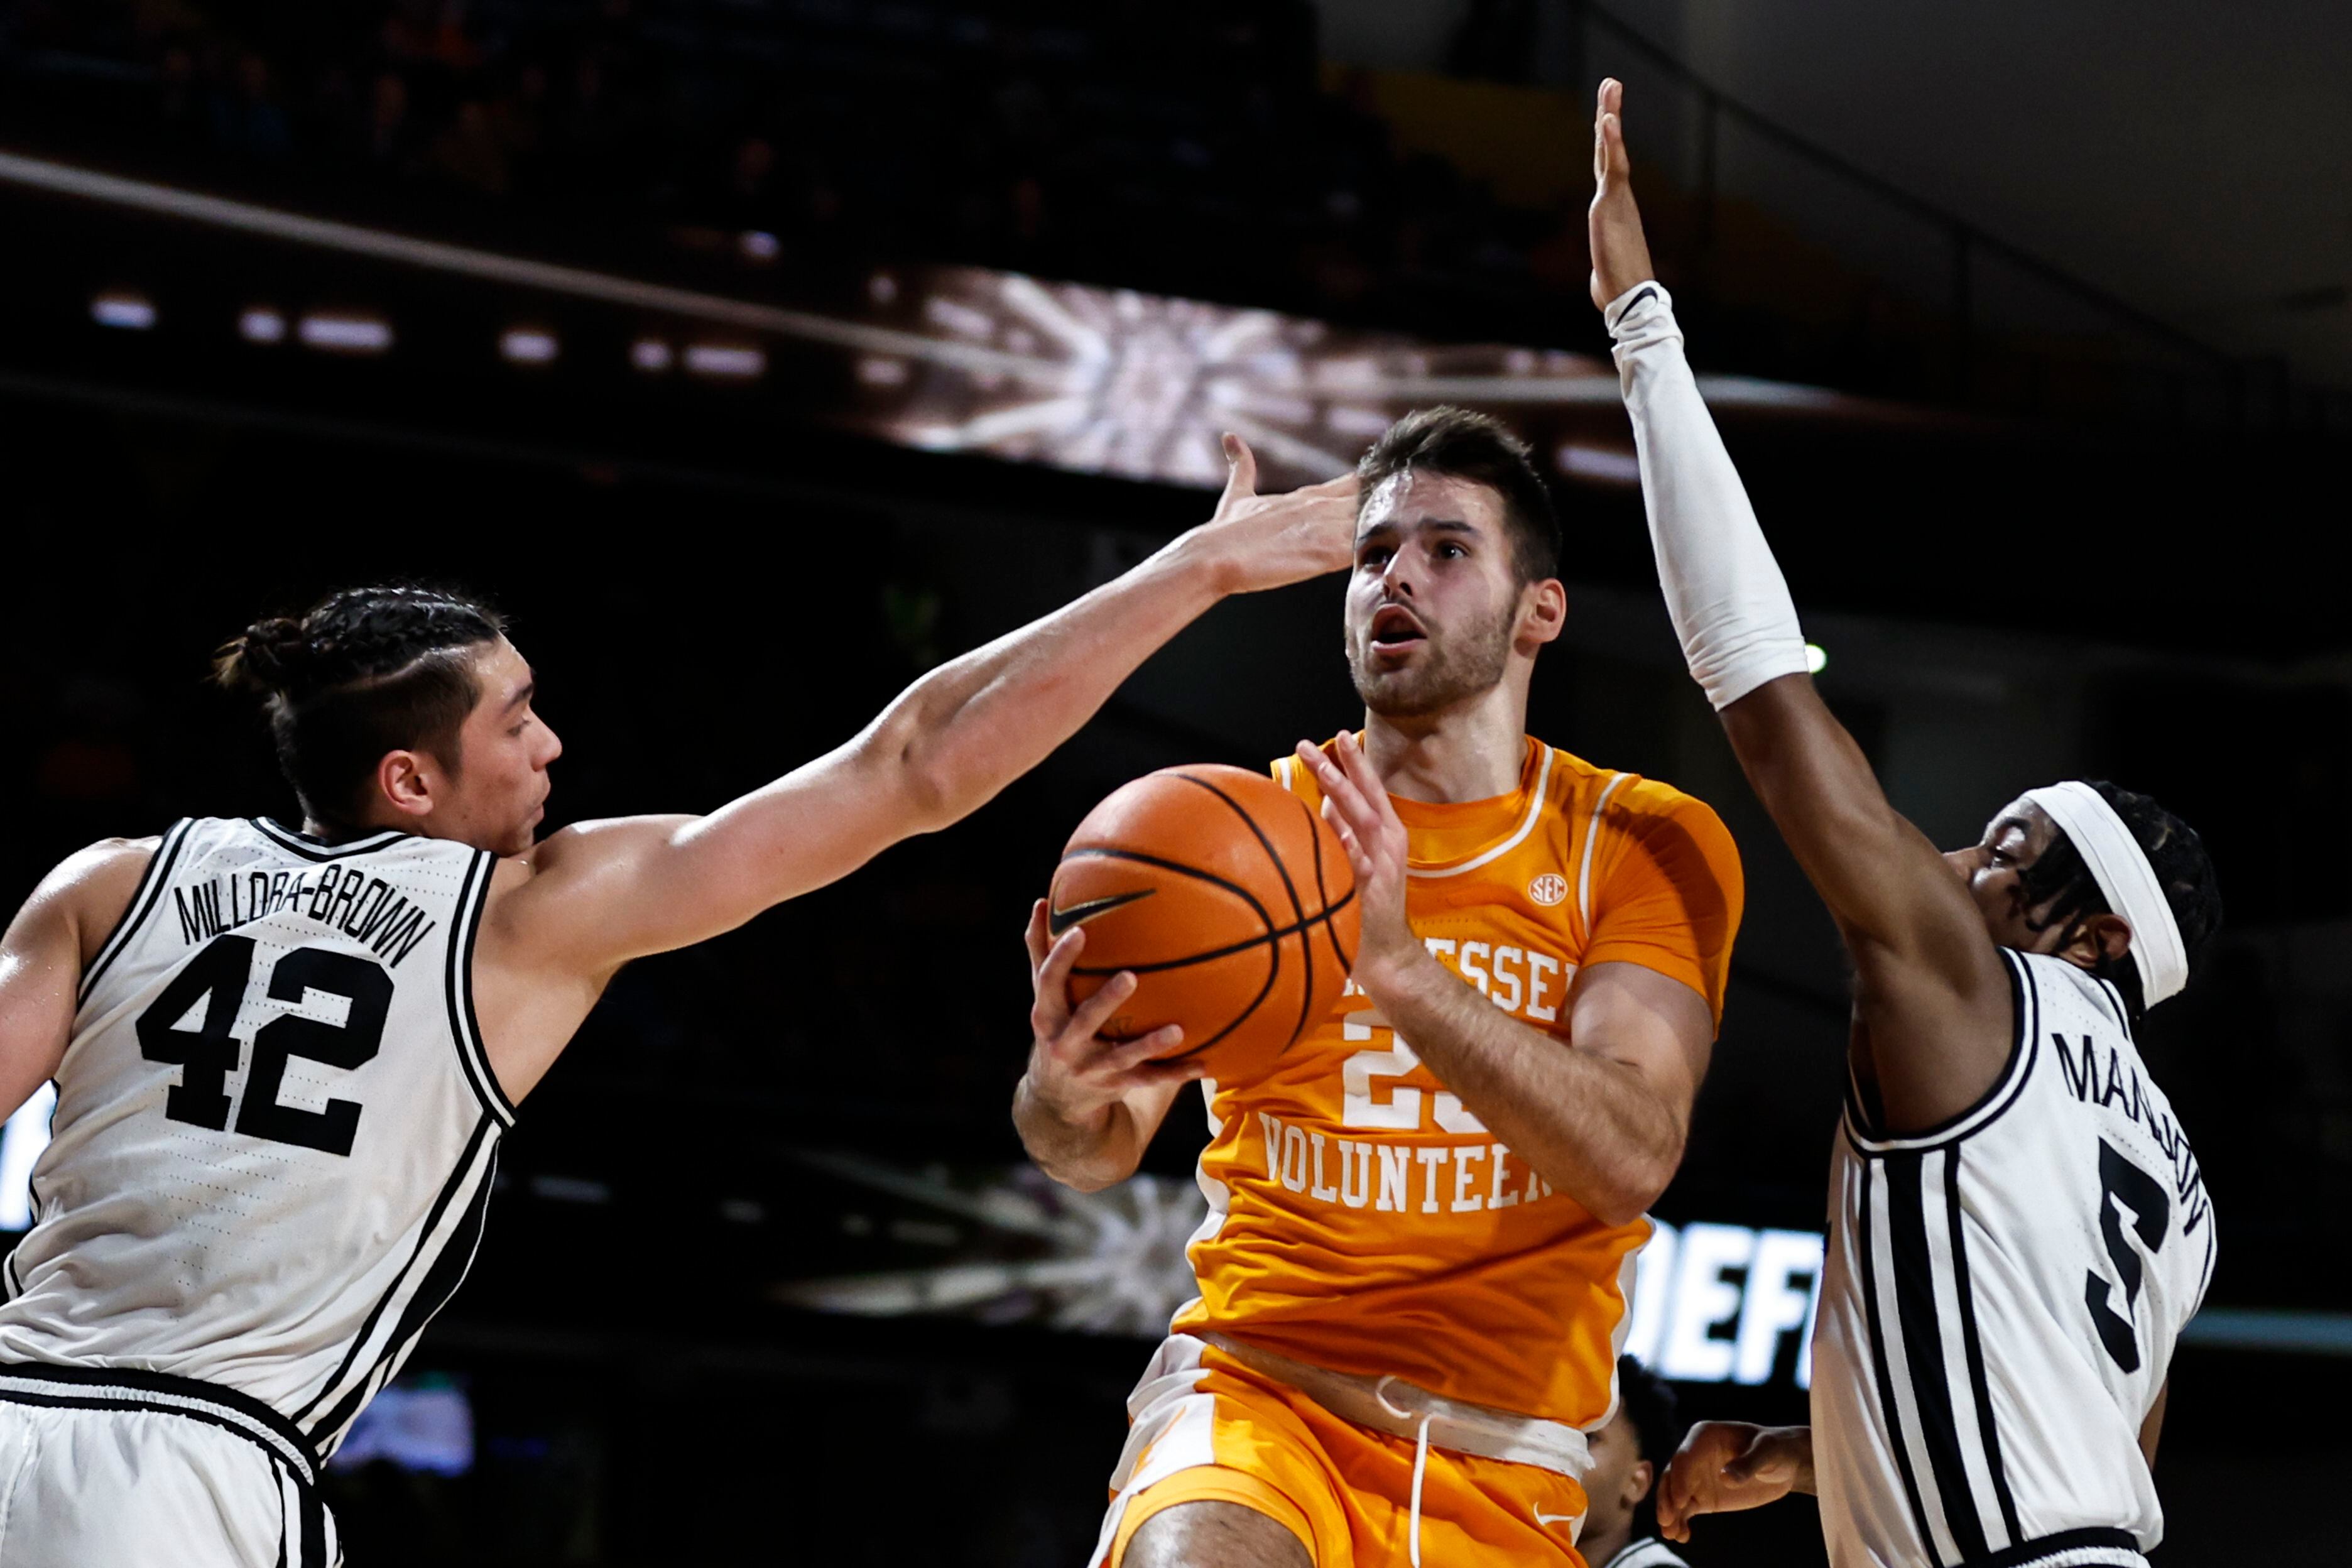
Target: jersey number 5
[(206, 1055), (2125, 1185)]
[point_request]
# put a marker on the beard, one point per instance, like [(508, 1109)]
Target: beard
[(1452, 667)]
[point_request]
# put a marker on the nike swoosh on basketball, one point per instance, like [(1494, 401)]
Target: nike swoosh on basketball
[(1059, 921)]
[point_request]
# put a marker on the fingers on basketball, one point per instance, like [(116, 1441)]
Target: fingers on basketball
[(1135, 1055), (1184, 1070), (1051, 1012), (1100, 1008), (1038, 938)]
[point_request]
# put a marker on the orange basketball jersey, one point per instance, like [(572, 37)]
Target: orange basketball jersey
[(1361, 1217)]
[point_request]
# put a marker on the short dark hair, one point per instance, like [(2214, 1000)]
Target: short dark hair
[(2060, 879), (1649, 1408), (363, 672), (1481, 449)]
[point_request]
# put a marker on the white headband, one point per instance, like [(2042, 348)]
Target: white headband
[(2121, 869)]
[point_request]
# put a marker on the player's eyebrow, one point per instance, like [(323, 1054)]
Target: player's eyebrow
[(1432, 525), (523, 695)]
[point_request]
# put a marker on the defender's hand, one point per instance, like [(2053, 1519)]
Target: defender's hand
[(1073, 1070), (1726, 1466), (1265, 542), (1355, 804), (1620, 256)]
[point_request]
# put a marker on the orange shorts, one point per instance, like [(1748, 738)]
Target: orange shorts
[(1210, 1429)]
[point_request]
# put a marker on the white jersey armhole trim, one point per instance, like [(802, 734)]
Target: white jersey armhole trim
[(472, 1056), (1584, 866), (2025, 998), (144, 899)]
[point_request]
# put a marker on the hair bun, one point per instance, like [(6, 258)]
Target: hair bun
[(265, 657)]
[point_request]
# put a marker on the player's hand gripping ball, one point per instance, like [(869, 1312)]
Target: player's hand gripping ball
[(1228, 898)]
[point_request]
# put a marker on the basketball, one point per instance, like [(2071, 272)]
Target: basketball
[(1228, 898)]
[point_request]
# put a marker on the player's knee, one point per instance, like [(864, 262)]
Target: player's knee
[(1207, 1534)]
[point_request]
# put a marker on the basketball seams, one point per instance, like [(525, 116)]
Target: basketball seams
[(1290, 888), (1164, 864), (1306, 938), (1269, 937), (1323, 892), (1272, 934)]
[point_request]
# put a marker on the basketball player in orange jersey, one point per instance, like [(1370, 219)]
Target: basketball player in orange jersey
[(1423, 1216), (286, 1058)]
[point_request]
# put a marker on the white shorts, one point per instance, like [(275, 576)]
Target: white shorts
[(137, 1471)]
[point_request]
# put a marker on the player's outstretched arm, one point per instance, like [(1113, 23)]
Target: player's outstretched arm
[(1925, 963), (1726, 1466), (58, 933), (602, 893)]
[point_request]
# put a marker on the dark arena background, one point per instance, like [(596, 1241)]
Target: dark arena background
[(756, 355)]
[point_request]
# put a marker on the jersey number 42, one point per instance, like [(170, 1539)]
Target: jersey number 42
[(217, 977)]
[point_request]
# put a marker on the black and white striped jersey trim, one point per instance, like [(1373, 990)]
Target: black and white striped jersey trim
[(472, 899), (144, 899), (1928, 1364), (1928, 1359), (123, 1388), (320, 850), (446, 1246), (1869, 1139), (306, 1537)]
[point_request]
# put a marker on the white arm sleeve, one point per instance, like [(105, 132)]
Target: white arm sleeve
[(1729, 602)]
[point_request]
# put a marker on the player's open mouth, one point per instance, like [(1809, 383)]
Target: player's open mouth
[(1394, 626)]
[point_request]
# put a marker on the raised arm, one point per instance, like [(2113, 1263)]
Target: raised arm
[(1932, 986), (594, 896), (53, 938)]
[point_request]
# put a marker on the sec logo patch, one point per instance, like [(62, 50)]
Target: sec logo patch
[(1549, 890)]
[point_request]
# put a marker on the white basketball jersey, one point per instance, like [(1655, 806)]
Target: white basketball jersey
[(276, 1128), (2000, 1303)]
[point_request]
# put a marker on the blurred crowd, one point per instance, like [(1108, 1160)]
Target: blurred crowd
[(1197, 152)]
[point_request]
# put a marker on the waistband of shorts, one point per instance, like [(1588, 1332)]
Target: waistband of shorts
[(1399, 1408), (2098, 1547), (126, 1388)]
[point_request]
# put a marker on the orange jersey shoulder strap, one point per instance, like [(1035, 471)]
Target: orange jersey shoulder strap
[(1292, 775)]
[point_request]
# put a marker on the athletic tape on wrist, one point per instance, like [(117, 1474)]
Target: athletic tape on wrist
[(2119, 866)]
